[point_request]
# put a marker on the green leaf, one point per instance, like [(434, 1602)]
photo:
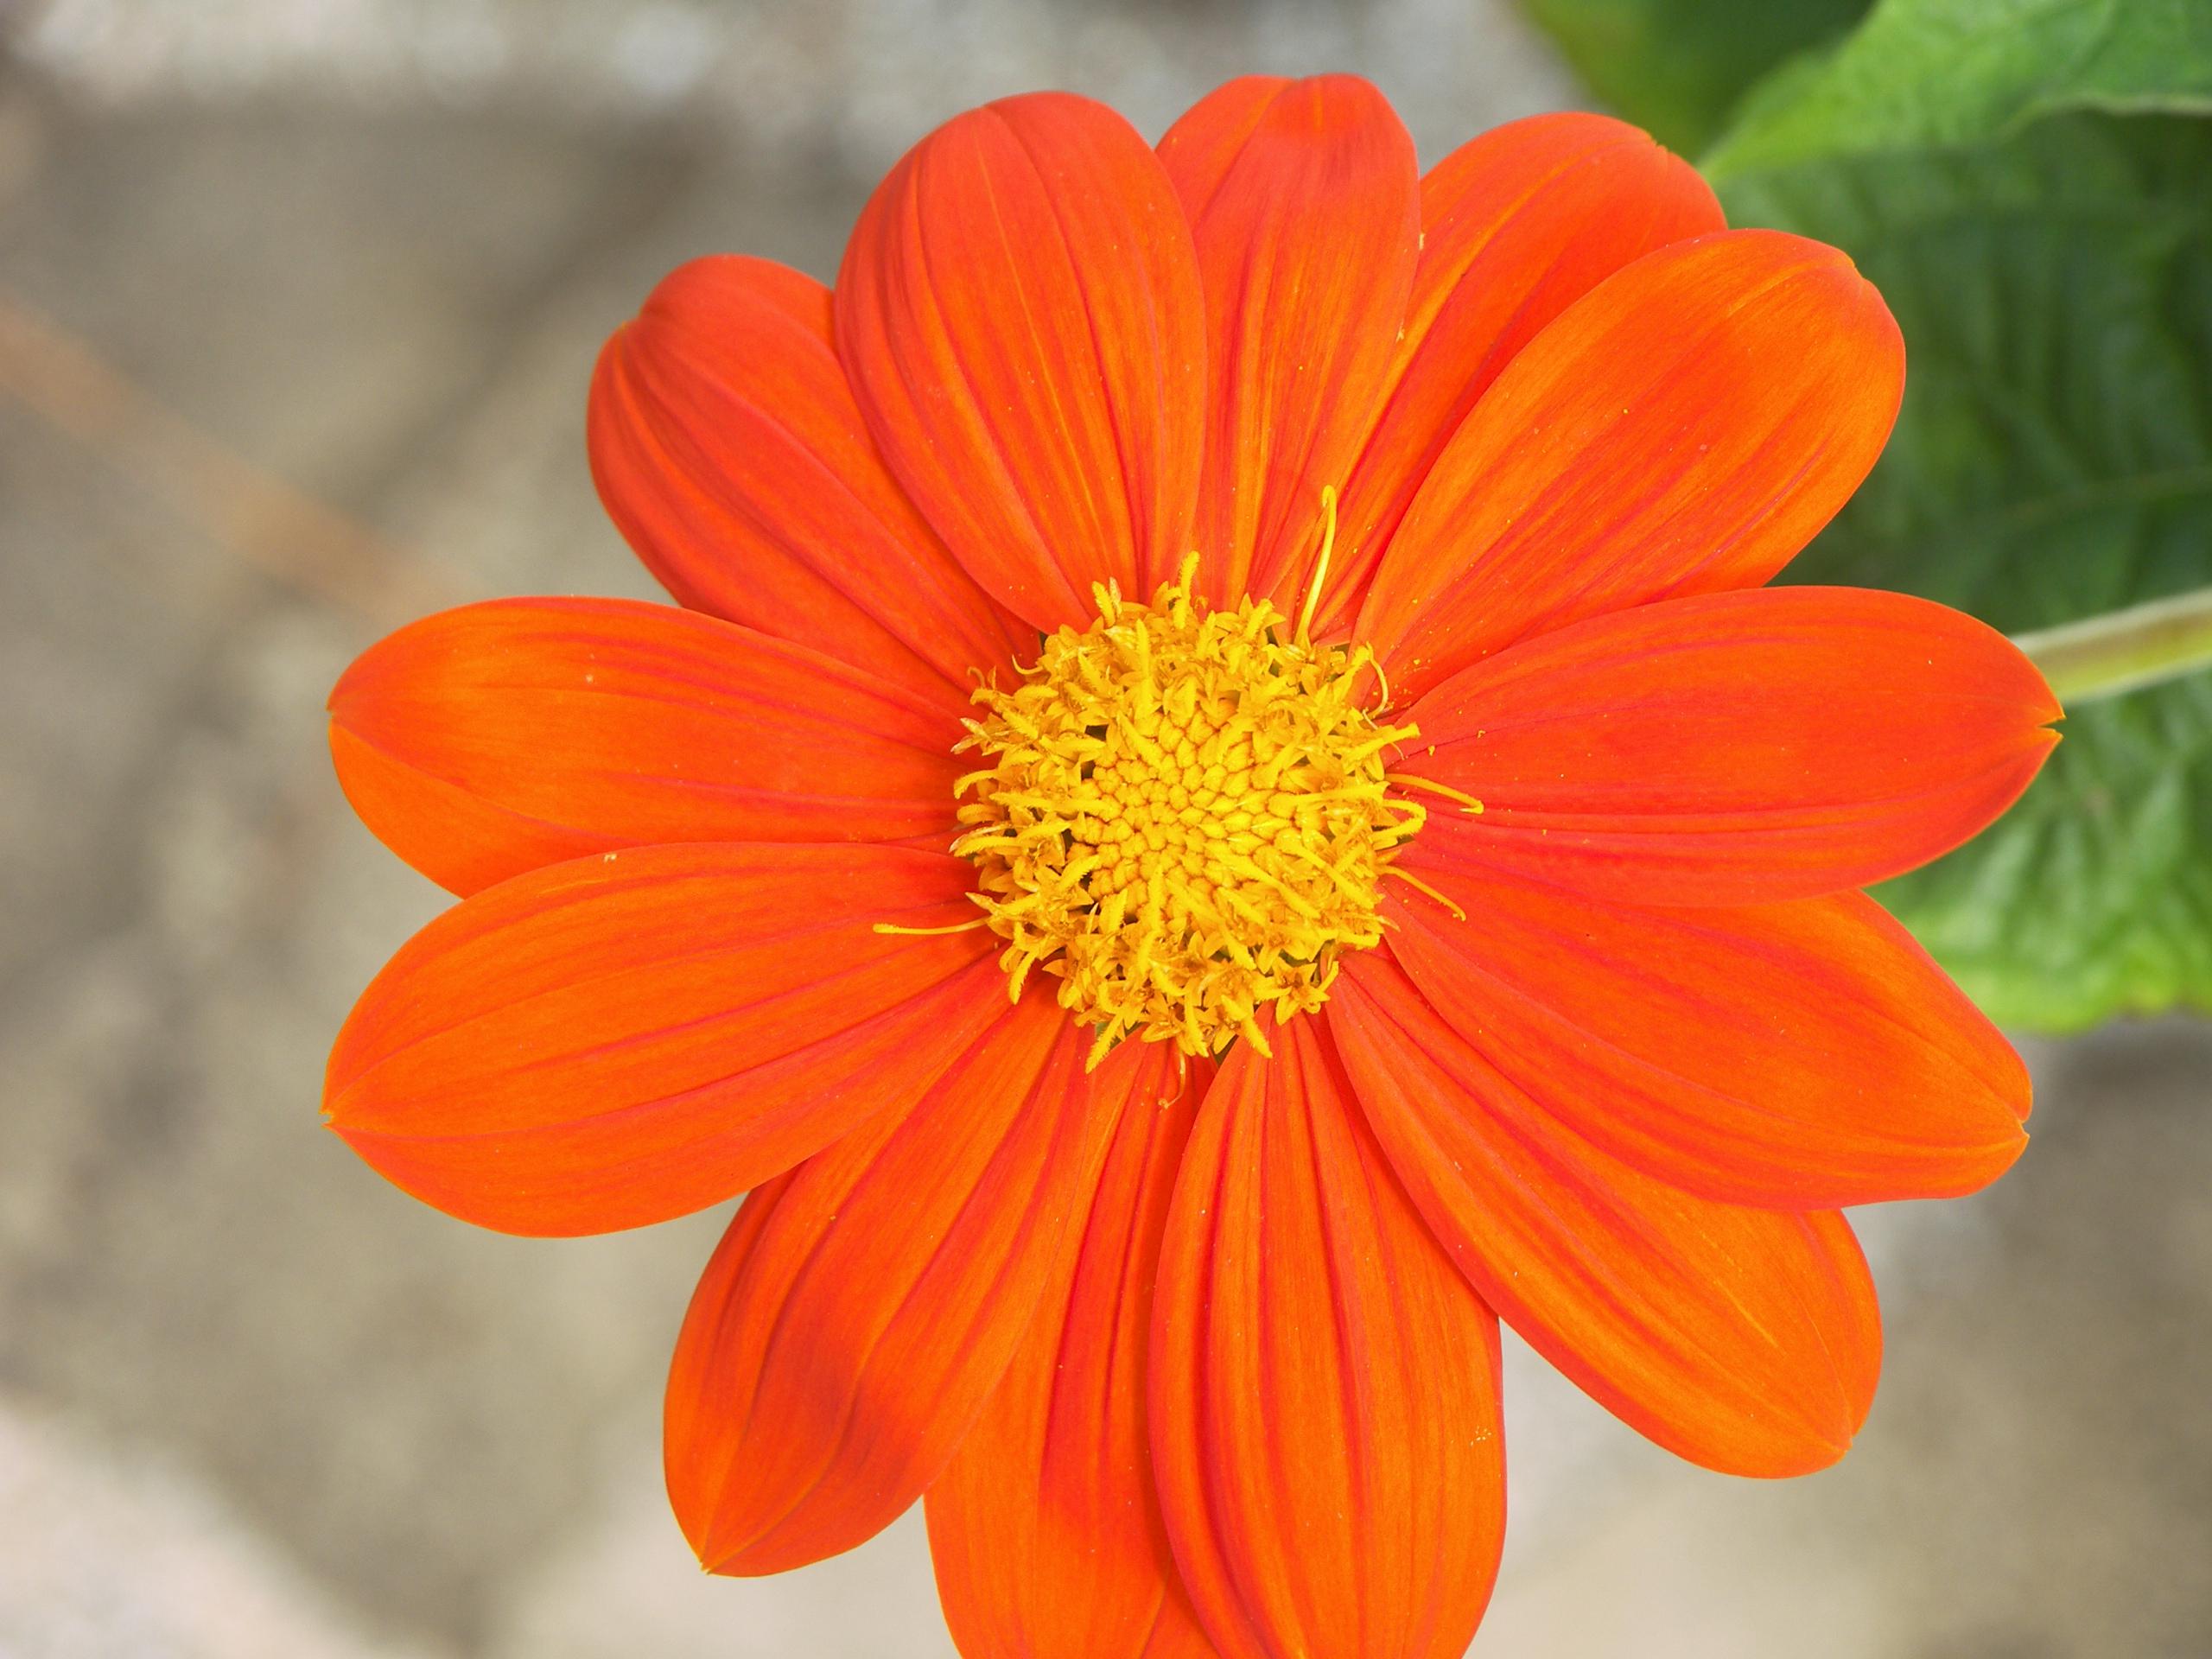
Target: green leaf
[(2053, 461), (1920, 73), (1676, 67)]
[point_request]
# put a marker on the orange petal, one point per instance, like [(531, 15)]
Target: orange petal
[(1684, 428), (495, 739), (1304, 201), (729, 452), (862, 1309), (1799, 1055), (1324, 1392), (1516, 226), (1045, 1529), (1746, 1340), (1734, 748), (636, 1035), (1018, 308)]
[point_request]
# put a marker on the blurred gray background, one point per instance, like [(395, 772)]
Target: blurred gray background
[(297, 301)]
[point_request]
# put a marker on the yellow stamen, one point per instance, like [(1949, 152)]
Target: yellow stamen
[(1321, 564), (932, 933), (1186, 817), (1407, 780), (1415, 882)]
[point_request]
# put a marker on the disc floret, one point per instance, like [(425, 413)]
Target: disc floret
[(1185, 819)]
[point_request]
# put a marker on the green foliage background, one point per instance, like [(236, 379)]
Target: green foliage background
[(2030, 184), (1678, 66)]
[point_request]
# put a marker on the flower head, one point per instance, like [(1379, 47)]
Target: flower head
[(1187, 820), (1227, 805)]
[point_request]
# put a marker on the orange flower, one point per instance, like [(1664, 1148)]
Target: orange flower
[(1401, 869)]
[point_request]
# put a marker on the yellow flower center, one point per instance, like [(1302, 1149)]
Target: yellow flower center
[(1184, 819)]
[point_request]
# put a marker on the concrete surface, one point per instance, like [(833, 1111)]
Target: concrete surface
[(251, 1400)]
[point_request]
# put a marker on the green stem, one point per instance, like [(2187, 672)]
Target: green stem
[(2124, 651)]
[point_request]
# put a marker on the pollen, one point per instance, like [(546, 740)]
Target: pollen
[(1184, 818)]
